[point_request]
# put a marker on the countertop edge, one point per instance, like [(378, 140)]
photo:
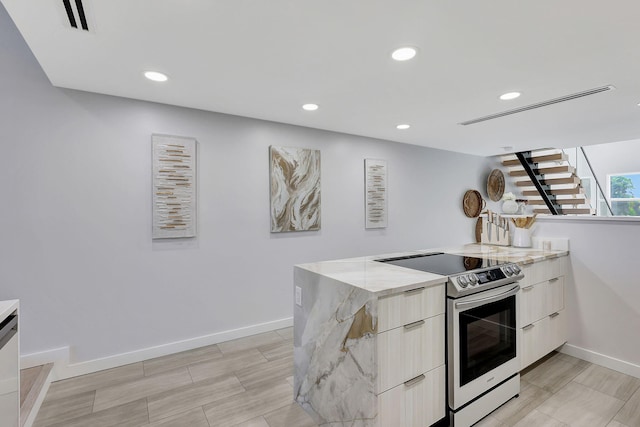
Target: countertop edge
[(374, 277), (404, 279), (8, 307)]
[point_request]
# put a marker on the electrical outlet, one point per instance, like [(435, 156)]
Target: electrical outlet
[(299, 296)]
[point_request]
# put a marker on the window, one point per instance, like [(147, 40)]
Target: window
[(624, 193)]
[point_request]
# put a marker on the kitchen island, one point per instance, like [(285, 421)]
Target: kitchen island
[(369, 338)]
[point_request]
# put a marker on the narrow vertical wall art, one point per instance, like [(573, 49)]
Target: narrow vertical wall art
[(375, 174), (295, 189), (174, 186)]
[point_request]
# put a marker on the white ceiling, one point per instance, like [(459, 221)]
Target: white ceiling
[(265, 58)]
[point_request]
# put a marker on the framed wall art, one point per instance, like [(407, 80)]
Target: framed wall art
[(295, 189), (375, 175), (174, 186)]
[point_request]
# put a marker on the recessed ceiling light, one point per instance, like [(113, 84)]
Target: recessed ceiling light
[(510, 95), (156, 76), (404, 53), (403, 126), (310, 107)]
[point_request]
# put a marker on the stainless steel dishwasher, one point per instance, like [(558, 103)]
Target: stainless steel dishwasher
[(9, 372)]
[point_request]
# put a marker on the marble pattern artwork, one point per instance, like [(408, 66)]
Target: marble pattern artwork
[(174, 186), (295, 189), (335, 371)]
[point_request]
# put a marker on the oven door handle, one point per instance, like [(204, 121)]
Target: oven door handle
[(478, 302)]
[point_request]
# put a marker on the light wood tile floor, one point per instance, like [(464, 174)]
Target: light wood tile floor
[(244, 382), (562, 391), (248, 383)]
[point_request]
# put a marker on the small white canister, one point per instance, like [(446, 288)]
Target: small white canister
[(521, 238)]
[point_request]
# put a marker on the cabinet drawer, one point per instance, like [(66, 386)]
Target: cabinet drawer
[(543, 270), (557, 330), (541, 299), (533, 303), (410, 306), (542, 337), (557, 266), (533, 342), (418, 403), (408, 351), (555, 295)]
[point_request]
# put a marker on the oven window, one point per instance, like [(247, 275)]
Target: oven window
[(487, 338)]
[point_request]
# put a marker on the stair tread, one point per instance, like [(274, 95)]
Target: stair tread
[(27, 379), (567, 211), (538, 159), (33, 380), (574, 202), (556, 192), (544, 170), (550, 181)]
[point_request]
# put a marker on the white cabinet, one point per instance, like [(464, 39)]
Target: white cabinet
[(9, 365), (557, 329), (411, 358), (408, 351), (543, 325), (533, 299), (410, 306), (555, 294), (419, 402)]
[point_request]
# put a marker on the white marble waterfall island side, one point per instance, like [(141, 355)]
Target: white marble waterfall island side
[(369, 338), (341, 358)]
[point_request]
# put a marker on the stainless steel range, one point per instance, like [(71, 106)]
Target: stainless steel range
[(482, 322)]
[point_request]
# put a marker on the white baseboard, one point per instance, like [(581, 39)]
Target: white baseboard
[(57, 355), (63, 368), (602, 360)]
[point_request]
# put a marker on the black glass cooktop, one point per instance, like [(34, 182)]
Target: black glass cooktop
[(438, 263)]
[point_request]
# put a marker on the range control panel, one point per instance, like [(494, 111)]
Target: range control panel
[(471, 282)]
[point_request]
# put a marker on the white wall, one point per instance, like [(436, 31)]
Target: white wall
[(603, 290), (76, 215)]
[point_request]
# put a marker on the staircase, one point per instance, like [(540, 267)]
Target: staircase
[(34, 383), (548, 182)]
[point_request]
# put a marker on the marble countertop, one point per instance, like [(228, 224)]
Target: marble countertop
[(383, 279), (7, 307), (520, 256)]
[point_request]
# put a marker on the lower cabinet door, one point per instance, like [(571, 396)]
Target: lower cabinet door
[(555, 295), (533, 303), (542, 337), (419, 402), (557, 329), (408, 351), (534, 342)]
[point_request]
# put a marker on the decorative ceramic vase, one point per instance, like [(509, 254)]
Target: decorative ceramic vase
[(510, 207)]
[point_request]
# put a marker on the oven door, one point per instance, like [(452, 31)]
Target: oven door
[(482, 342)]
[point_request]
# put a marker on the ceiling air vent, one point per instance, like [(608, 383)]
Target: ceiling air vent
[(539, 104), (76, 15)]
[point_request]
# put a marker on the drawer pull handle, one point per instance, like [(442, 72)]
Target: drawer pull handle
[(411, 291), (414, 380), (527, 288), (556, 314), (414, 324), (528, 327), (554, 280)]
